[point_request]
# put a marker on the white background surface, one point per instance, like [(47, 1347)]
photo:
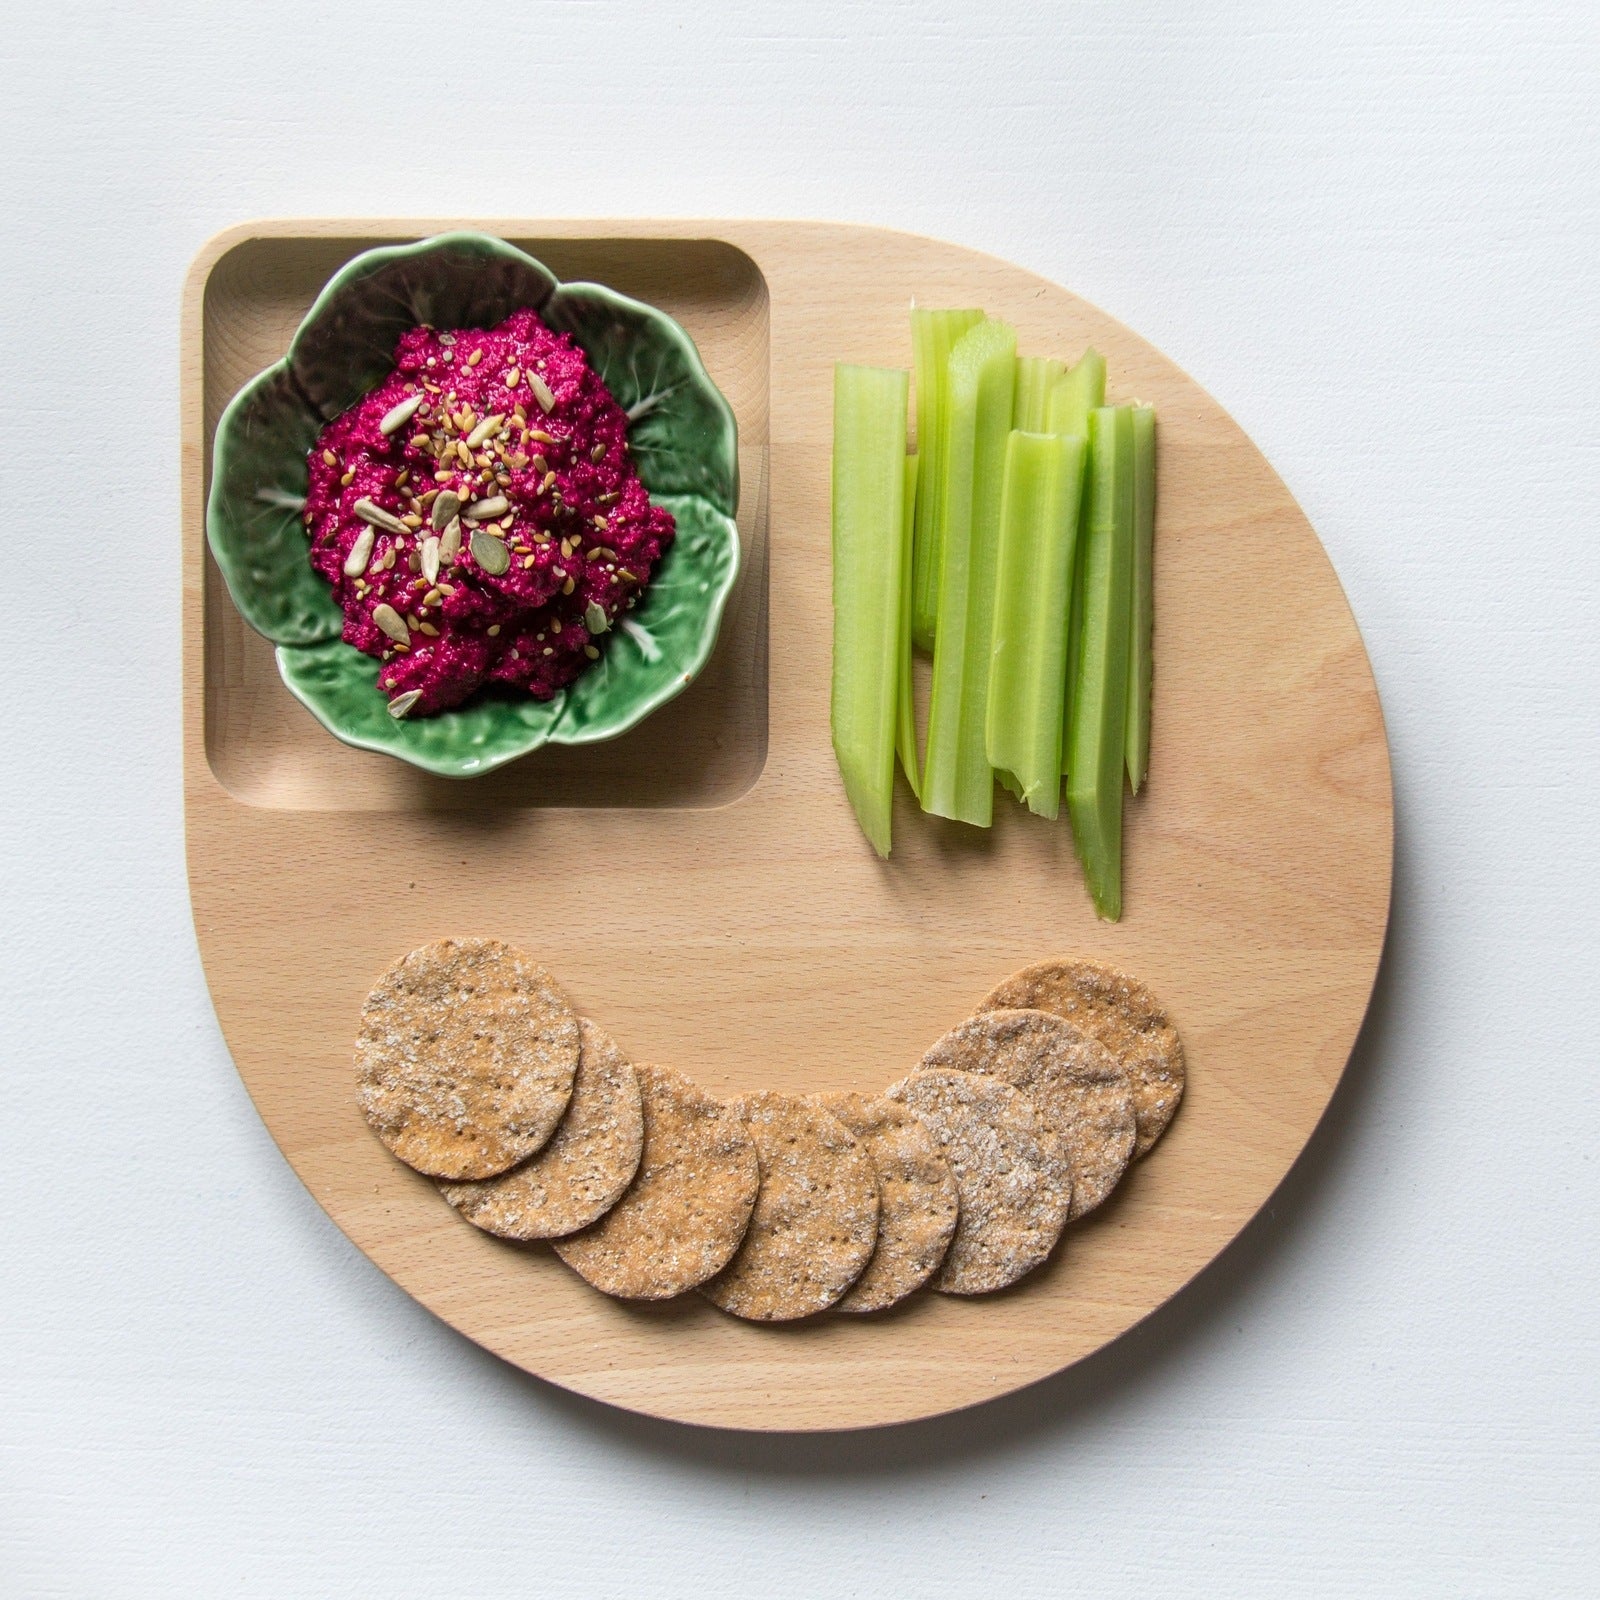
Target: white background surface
[(1371, 231)]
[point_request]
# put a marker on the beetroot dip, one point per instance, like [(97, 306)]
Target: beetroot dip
[(479, 517)]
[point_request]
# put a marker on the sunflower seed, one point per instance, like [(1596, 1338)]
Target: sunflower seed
[(402, 703), (595, 618), (398, 416), (489, 553), (450, 541), (541, 393), (329, 457), (483, 430), (360, 553), (598, 453), (377, 516), (590, 651), (430, 558), (513, 377), (484, 510), (390, 620)]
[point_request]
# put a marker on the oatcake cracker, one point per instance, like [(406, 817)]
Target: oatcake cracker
[(589, 1161), (1011, 1174), (465, 1057), (816, 1217), (1079, 1091), (1124, 1016), (917, 1205), (682, 1218)]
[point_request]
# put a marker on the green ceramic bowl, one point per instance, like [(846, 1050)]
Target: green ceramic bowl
[(680, 431)]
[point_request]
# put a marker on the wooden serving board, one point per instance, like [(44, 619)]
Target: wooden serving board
[(701, 887)]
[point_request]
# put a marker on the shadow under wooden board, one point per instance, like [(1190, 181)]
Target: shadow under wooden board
[(700, 886)]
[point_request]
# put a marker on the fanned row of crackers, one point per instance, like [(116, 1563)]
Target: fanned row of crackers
[(474, 1069)]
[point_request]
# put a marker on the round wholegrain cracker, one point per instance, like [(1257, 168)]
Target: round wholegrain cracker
[(816, 1218), (1124, 1016), (1011, 1174), (465, 1057), (917, 1201), (584, 1169), (1076, 1086), (682, 1218)]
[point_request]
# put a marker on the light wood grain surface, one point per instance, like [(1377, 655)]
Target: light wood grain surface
[(702, 888)]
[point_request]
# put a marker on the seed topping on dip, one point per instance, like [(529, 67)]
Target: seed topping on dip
[(468, 545)]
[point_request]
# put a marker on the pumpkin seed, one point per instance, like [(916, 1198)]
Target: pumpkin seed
[(398, 416), (445, 506), (402, 703), (541, 393), (430, 558), (489, 553), (486, 510), (450, 541), (595, 618)]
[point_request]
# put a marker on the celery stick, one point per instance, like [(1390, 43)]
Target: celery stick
[(1077, 393), (1098, 716), (1141, 605), (933, 336), (869, 485), (1027, 681), (1036, 377), (957, 780), (906, 708), (1073, 398)]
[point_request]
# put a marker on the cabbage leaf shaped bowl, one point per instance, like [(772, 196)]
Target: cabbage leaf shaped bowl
[(681, 434)]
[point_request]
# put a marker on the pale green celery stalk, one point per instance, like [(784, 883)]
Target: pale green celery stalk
[(1027, 679), (957, 780), (869, 485), (1142, 603), (1073, 398), (1076, 393), (933, 335), (906, 706), (1036, 377), (1097, 721)]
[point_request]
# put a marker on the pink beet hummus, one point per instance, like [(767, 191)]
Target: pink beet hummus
[(479, 517)]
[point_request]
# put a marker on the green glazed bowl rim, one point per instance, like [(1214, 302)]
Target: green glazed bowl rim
[(516, 736)]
